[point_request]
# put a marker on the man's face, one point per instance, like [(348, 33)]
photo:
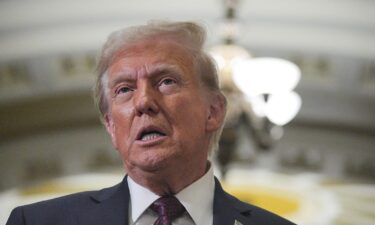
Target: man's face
[(159, 113)]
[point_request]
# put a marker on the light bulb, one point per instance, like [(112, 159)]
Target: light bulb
[(281, 108), (265, 76)]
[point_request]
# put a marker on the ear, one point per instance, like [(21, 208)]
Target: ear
[(216, 113), (110, 126)]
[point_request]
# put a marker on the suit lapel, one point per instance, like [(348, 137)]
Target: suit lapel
[(228, 210), (109, 207)]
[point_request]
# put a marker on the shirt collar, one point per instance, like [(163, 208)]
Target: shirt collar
[(144, 198), (201, 193)]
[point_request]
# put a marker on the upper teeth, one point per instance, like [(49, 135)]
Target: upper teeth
[(150, 136)]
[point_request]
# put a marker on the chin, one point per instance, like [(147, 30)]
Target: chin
[(152, 162)]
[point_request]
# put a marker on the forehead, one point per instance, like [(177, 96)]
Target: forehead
[(148, 53)]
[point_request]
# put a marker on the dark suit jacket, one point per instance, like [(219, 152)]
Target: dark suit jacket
[(110, 207)]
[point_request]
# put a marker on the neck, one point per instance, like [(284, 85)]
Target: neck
[(168, 182)]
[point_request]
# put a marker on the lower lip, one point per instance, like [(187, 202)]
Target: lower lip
[(151, 142)]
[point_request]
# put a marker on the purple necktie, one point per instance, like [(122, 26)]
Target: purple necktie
[(168, 208)]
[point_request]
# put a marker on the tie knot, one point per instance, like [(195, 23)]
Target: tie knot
[(168, 207)]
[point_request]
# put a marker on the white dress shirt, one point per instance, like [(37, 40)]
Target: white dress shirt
[(197, 199)]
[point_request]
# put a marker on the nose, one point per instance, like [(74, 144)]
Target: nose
[(145, 101)]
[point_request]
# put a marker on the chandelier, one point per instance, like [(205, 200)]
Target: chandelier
[(260, 91), (266, 83)]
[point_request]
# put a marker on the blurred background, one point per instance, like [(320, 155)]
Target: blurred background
[(314, 166)]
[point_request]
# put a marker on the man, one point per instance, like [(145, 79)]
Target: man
[(162, 107)]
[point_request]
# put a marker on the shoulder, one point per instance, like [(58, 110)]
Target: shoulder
[(61, 210), (253, 214), (66, 201), (262, 216), (57, 209)]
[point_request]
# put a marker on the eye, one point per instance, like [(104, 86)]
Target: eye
[(123, 90), (167, 81)]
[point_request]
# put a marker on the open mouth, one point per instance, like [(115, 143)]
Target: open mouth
[(150, 134)]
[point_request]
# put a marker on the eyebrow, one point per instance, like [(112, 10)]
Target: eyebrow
[(120, 78), (157, 69)]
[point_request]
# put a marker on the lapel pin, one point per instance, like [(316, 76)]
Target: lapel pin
[(236, 222)]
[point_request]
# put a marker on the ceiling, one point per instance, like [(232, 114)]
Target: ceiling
[(48, 50)]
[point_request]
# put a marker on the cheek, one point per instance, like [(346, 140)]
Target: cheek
[(122, 110), (122, 113), (191, 114), (121, 119)]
